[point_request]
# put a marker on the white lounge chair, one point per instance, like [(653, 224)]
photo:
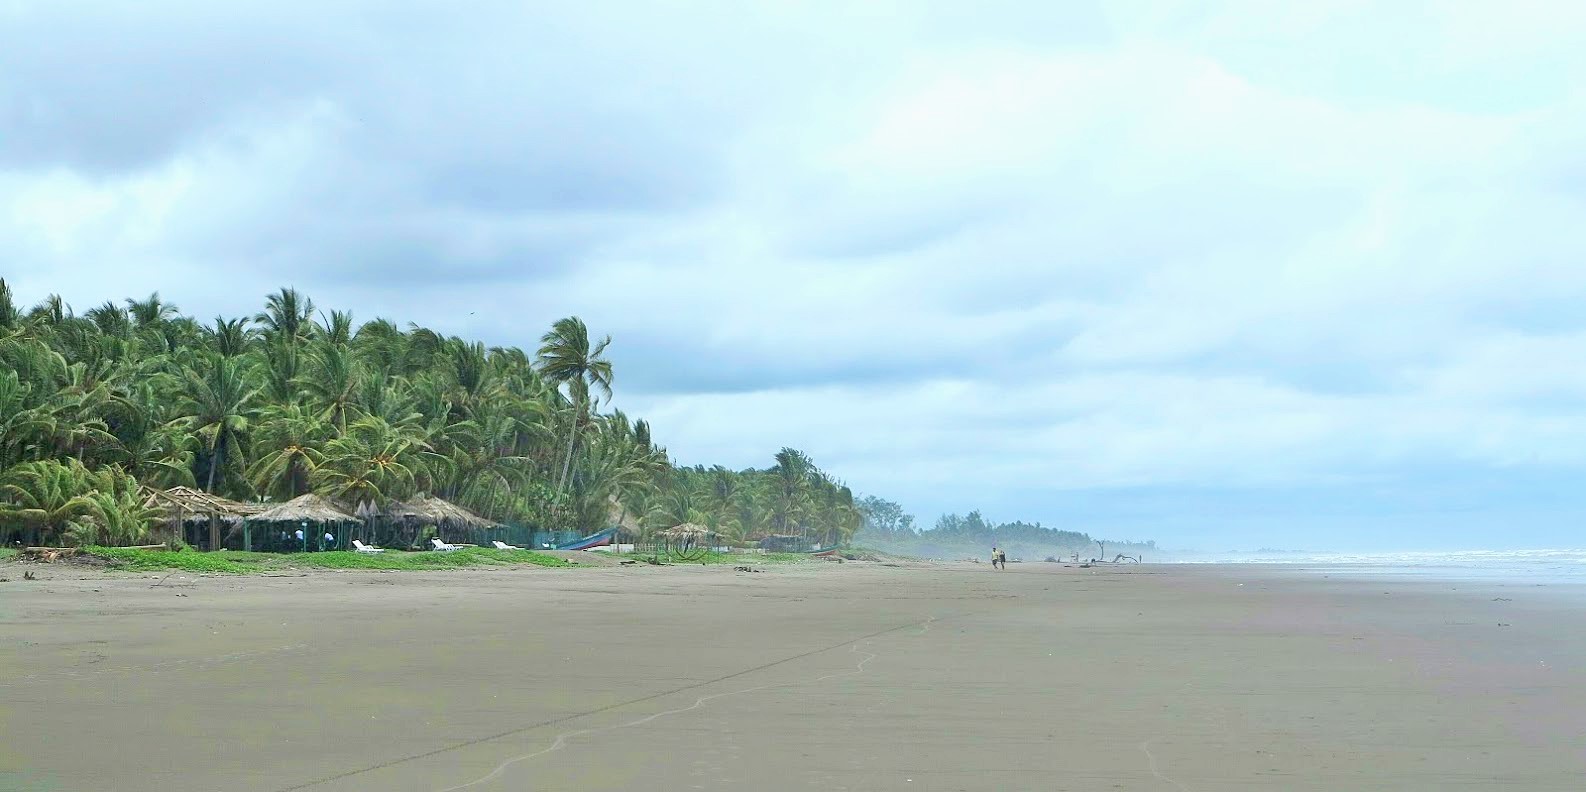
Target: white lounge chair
[(442, 546), (360, 547), (500, 545)]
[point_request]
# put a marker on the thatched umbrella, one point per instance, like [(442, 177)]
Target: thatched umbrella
[(687, 531), (688, 541), (305, 509)]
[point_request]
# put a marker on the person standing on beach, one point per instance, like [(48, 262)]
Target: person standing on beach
[(1002, 560), (996, 557)]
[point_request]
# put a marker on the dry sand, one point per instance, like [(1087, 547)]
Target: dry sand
[(807, 677)]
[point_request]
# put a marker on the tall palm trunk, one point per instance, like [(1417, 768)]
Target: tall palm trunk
[(216, 457), (572, 437)]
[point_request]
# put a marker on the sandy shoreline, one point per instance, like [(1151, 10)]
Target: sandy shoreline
[(822, 676)]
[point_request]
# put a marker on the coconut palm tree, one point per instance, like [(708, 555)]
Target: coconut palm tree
[(287, 449), (566, 356), (373, 461), (45, 498), (331, 380), (280, 366), (149, 447), (722, 495), (287, 316), (230, 337), (790, 490), (152, 311), (25, 429), (381, 346), (118, 517), (336, 328), (53, 311), (10, 316), (217, 404)]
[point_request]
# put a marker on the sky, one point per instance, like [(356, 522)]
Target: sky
[(1219, 274)]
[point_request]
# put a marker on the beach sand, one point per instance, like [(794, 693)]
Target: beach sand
[(855, 676)]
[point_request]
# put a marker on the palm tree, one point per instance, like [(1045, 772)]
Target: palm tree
[(790, 485), (287, 316), (47, 497), (119, 516), (111, 320), (566, 357), (53, 311), (280, 366), (476, 377), (381, 346), (10, 316), (333, 376), (336, 328), (150, 312), (372, 462), (217, 405), (675, 507), (287, 449), (230, 337), (722, 497), (149, 448), (24, 429)]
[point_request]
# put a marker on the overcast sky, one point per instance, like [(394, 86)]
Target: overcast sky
[(1306, 275)]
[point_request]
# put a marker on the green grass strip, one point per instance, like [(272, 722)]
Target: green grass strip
[(239, 562)]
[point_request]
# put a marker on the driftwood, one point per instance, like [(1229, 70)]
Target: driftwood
[(49, 554)]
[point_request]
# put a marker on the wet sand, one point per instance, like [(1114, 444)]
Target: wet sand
[(810, 677)]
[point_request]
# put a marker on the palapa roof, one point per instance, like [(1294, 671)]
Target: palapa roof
[(440, 512), (686, 531), (306, 508), (186, 503), (619, 516)]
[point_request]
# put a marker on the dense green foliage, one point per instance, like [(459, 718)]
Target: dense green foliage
[(294, 400)]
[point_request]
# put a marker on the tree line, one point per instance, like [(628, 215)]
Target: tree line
[(886, 523), (293, 400)]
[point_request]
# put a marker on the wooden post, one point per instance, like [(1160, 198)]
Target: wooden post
[(214, 532)]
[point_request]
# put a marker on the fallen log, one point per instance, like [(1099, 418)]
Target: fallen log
[(48, 555)]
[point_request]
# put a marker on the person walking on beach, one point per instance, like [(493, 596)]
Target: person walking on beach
[(1002, 560), (996, 557)]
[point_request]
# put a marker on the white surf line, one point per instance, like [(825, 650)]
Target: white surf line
[(561, 739), (1151, 762)]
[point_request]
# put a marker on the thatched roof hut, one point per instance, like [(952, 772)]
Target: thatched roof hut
[(306, 508), (194, 506), (627, 523), (434, 511)]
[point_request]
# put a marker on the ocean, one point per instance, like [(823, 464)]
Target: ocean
[(1555, 568)]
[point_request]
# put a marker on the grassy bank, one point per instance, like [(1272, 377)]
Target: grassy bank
[(7, 553), (241, 563)]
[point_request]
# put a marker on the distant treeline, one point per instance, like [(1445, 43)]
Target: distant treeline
[(887, 525)]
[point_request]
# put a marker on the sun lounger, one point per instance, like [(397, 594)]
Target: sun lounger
[(360, 547), (500, 545), (442, 546)]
